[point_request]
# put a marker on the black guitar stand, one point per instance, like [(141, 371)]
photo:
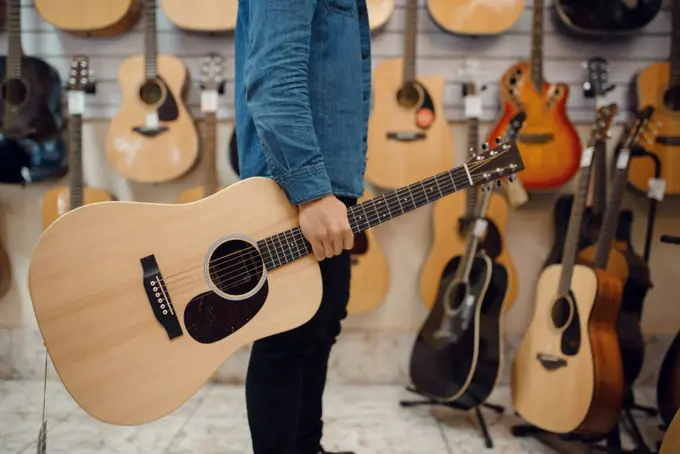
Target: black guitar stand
[(639, 152), (488, 442)]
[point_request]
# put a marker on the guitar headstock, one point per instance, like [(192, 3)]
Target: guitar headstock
[(504, 160), (597, 83), (81, 76), (600, 129), (640, 128), (212, 73)]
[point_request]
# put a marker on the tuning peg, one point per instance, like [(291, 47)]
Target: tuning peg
[(498, 183), (498, 140), (485, 146), (512, 178)]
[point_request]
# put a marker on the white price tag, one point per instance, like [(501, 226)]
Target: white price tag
[(473, 106), (76, 102), (480, 228), (622, 159), (209, 101), (587, 157), (152, 120), (657, 188)]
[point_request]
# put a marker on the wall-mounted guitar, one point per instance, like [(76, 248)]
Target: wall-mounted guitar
[(408, 135), (549, 144), (31, 144), (475, 17), (379, 12), (60, 199), (212, 84), (85, 17), (200, 15), (452, 217), (658, 85), (152, 138), (136, 324), (567, 375)]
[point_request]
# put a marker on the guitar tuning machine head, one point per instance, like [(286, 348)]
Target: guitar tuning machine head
[(473, 152), (485, 146), (498, 140), (498, 183)]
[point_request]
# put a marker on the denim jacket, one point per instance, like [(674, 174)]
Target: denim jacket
[(302, 94)]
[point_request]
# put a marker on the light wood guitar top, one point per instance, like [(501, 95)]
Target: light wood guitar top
[(107, 17), (202, 15)]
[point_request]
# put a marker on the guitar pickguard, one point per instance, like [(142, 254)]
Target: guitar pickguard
[(168, 110)]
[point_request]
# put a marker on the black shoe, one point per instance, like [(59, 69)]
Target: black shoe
[(323, 451)]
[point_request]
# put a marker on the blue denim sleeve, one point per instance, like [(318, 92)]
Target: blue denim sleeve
[(277, 95)]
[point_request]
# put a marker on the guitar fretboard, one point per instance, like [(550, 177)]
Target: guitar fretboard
[(473, 140), (537, 46), (410, 41), (75, 128), (209, 126), (15, 51), (150, 50)]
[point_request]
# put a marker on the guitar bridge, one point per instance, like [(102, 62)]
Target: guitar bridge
[(159, 298), (405, 136), (535, 138), (551, 362), (150, 132)]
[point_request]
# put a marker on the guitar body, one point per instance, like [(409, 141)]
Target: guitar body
[(464, 371), (668, 384), (602, 18), (548, 142), (671, 441), (42, 151), (121, 355), (449, 241), (148, 158), (193, 194), (475, 17), (586, 380), (108, 18), (370, 272), (650, 88), (56, 201), (200, 15), (392, 162), (379, 12)]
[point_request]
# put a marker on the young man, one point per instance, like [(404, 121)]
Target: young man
[(302, 88)]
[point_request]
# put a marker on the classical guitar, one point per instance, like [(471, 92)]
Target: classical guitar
[(668, 383), (370, 272), (549, 144), (103, 18), (379, 12), (453, 215), (60, 199), (152, 138), (457, 354), (567, 375), (623, 263), (475, 17), (212, 71), (31, 144), (604, 18), (202, 15), (408, 135), (157, 296), (671, 441), (658, 85)]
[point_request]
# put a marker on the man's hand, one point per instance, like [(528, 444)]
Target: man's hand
[(325, 225)]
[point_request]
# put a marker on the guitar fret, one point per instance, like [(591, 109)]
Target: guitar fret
[(75, 164), (537, 46), (150, 51)]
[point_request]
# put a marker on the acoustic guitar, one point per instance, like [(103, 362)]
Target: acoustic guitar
[(370, 272), (60, 199), (32, 148), (157, 296), (668, 383), (671, 441), (453, 215), (408, 135), (475, 17), (457, 354), (549, 144), (202, 15), (567, 376), (212, 72), (85, 17), (152, 138), (379, 12), (604, 18), (658, 85)]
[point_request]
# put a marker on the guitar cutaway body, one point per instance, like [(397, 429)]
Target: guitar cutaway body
[(85, 17), (400, 151), (651, 88), (152, 152), (56, 202), (202, 15), (449, 241), (577, 367), (548, 142), (475, 17)]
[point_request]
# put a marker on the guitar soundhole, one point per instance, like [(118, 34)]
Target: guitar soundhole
[(672, 98), (151, 92), (235, 268), (14, 92), (561, 312), (408, 95)]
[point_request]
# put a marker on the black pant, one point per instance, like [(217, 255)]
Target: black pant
[(287, 372)]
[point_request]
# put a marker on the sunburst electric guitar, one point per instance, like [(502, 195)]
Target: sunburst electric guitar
[(152, 138), (567, 375), (156, 297), (548, 142)]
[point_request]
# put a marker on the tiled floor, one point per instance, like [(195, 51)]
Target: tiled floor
[(367, 419)]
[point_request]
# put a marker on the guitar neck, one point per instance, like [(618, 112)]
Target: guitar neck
[(150, 40), (597, 193), (15, 51), (473, 140), (75, 128), (674, 58), (209, 153), (410, 41), (537, 46), (473, 237)]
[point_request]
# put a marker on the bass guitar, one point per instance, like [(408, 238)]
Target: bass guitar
[(212, 71), (475, 17), (408, 135), (60, 199), (549, 144), (32, 148), (604, 18), (453, 216), (156, 297), (668, 383), (152, 138), (202, 15), (658, 85), (85, 17), (379, 12), (569, 358)]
